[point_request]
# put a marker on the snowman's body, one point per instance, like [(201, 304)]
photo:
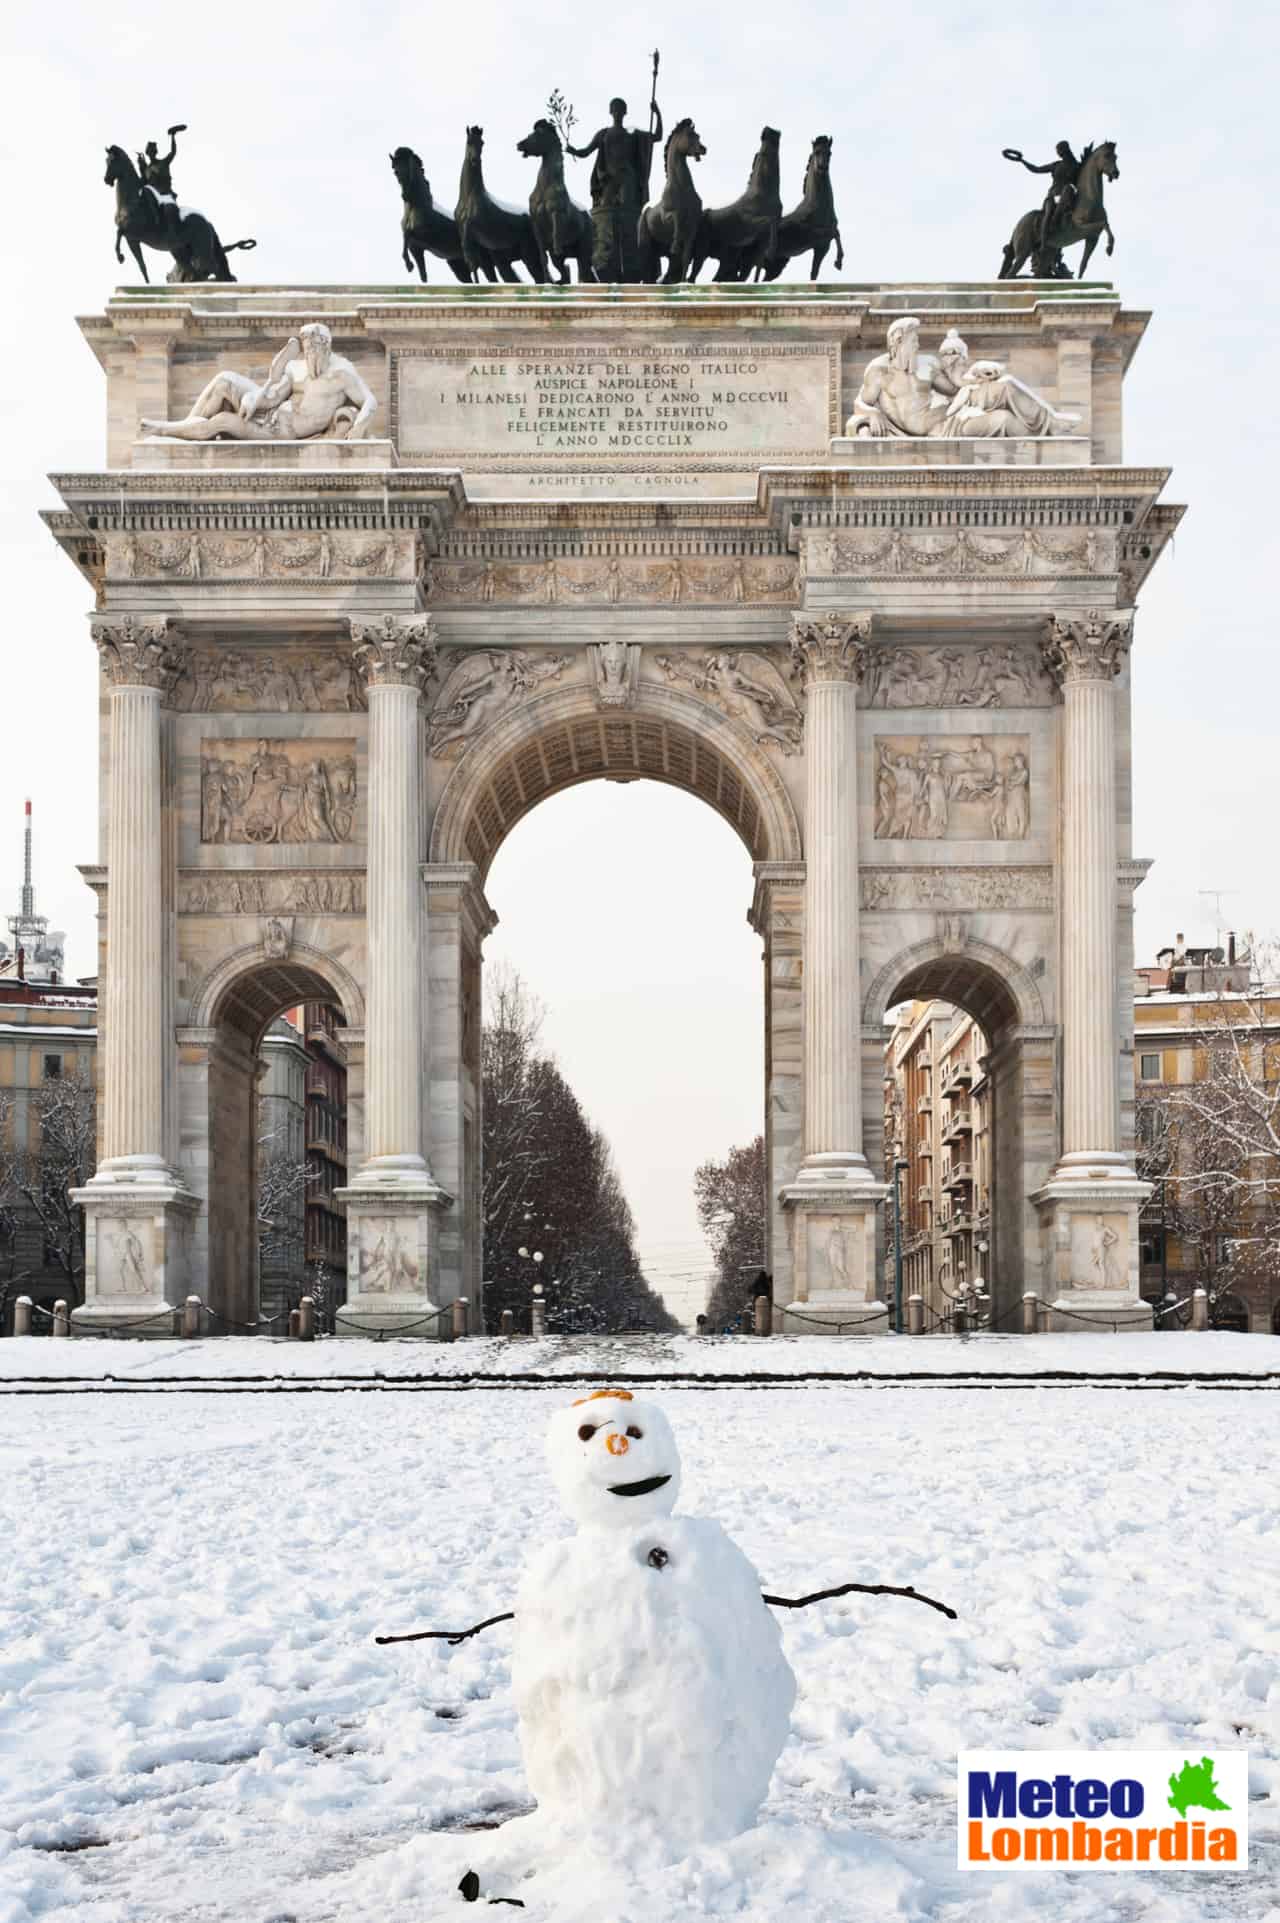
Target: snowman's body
[(653, 1692)]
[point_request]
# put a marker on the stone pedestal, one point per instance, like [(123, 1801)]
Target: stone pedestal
[(1089, 1206), (833, 1199), (138, 1212), (394, 1203)]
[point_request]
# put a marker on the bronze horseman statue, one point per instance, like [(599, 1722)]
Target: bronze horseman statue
[(148, 215), (1071, 211)]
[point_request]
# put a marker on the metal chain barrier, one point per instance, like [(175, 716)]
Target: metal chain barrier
[(824, 1322), (361, 1328)]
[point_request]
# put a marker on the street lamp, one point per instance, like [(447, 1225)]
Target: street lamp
[(898, 1166)]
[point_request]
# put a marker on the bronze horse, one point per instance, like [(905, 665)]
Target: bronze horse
[(813, 223), (141, 219), (670, 226), (562, 226), (744, 234), (424, 228), (1085, 219), (487, 228)]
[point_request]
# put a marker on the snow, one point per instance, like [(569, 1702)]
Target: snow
[(129, 1361), (197, 1723), (653, 1695)]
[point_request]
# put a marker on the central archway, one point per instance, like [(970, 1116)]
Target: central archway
[(557, 741)]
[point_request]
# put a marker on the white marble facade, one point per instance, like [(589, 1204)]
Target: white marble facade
[(335, 673)]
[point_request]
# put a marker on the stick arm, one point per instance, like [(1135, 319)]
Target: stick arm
[(863, 1589), (448, 1635)]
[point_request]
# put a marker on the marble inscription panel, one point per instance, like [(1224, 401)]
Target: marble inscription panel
[(615, 408), (953, 787)]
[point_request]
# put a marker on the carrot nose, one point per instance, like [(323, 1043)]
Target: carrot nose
[(616, 1445)]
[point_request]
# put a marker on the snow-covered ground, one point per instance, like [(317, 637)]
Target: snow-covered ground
[(195, 1722), (128, 1360)]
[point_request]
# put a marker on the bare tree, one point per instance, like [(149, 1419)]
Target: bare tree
[(1213, 1143), (41, 1228), (730, 1199)]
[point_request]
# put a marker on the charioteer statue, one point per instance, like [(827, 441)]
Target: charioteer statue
[(1072, 211), (620, 187)]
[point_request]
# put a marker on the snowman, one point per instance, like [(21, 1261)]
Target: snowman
[(653, 1693)]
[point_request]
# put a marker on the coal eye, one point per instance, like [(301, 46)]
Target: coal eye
[(634, 1433), (586, 1432)]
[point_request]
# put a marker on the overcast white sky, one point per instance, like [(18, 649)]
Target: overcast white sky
[(649, 971)]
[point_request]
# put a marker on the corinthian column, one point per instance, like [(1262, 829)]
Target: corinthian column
[(395, 656), (140, 667), (828, 652), (1085, 653), (833, 1200), (137, 1210), (1089, 1206), (394, 1202)]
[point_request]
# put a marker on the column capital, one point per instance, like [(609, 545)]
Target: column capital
[(829, 647), (1089, 646), (137, 651), (395, 651)]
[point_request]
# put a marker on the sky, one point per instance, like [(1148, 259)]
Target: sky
[(650, 975)]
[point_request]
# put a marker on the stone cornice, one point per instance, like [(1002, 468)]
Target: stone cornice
[(463, 879)]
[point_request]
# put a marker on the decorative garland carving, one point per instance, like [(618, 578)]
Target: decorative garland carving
[(572, 582), (197, 556), (963, 553)]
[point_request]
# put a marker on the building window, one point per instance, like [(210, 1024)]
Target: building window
[(1149, 1068), (52, 1068), (1151, 1249)]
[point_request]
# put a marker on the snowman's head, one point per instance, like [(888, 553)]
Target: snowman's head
[(613, 1460)]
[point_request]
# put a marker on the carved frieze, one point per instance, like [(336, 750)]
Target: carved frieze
[(750, 687), (891, 890), (198, 555), (272, 894), (962, 552), (277, 791), (952, 788), (289, 681), (927, 677), (479, 685), (571, 583)]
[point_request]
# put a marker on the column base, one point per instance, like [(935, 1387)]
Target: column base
[(1088, 1212), (138, 1221), (393, 1229), (833, 1246)]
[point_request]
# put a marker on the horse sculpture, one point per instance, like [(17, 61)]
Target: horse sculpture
[(562, 226), (425, 229), (744, 234), (1085, 219), (811, 225), (670, 226), (145, 220), (489, 229)]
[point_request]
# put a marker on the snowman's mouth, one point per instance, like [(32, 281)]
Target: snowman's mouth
[(644, 1488)]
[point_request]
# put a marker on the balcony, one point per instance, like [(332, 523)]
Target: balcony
[(925, 1104), (924, 1146), (959, 1175), (959, 1224), (958, 1123), (958, 1075)]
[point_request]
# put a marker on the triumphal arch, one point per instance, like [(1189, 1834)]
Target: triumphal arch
[(377, 570)]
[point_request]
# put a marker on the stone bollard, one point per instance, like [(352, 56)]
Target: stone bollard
[(460, 1317), (191, 1316), (915, 1315), (61, 1318), (1199, 1308), (307, 1319), (295, 1321), (1042, 1319), (507, 1322), (1030, 1312), (762, 1315), (22, 1315), (538, 1315)]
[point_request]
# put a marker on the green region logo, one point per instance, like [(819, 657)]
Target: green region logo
[(1193, 1787)]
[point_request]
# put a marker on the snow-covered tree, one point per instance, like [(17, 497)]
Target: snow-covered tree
[(730, 1199), (41, 1228)]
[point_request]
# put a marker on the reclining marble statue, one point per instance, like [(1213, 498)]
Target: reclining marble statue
[(310, 393), (910, 394)]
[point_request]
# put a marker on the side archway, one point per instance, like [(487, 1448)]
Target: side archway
[(989, 984), (249, 990)]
